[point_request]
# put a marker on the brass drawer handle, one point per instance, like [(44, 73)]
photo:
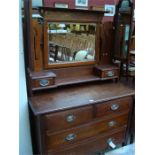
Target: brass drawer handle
[(44, 82), (70, 137), (111, 143), (110, 73), (114, 107), (70, 118), (112, 123)]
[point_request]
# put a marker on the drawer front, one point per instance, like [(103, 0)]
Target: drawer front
[(43, 82), (92, 146), (68, 118), (113, 107), (54, 140), (110, 73)]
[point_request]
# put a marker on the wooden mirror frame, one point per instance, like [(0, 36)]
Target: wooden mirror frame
[(71, 16), (68, 64)]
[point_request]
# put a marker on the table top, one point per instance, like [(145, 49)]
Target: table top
[(68, 97)]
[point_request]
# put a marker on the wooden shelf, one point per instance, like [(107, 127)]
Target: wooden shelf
[(62, 81), (76, 80), (85, 76)]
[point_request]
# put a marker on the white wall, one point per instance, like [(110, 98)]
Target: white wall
[(25, 146)]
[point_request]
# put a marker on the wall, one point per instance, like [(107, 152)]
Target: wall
[(25, 146), (71, 4)]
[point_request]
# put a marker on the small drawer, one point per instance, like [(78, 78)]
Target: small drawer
[(107, 71), (43, 82), (113, 107), (110, 73), (69, 118), (41, 79), (70, 136)]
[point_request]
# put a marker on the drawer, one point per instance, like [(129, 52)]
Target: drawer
[(110, 73), (94, 145), (107, 71), (70, 136), (43, 82), (113, 107), (68, 118), (39, 80)]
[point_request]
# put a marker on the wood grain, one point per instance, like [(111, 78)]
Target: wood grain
[(53, 140), (57, 121), (92, 145), (75, 96)]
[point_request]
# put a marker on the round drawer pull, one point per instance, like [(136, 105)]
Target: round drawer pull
[(70, 137), (44, 82), (114, 107), (111, 143), (110, 73), (111, 123), (70, 118)]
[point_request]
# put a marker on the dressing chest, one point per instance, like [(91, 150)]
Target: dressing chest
[(85, 119), (77, 103)]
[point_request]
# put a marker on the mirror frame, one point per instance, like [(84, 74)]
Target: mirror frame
[(71, 16), (68, 64)]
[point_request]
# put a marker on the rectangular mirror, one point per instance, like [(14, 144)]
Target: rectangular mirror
[(70, 42)]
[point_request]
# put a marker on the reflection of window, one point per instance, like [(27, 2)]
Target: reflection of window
[(60, 5), (126, 39), (111, 9), (81, 3)]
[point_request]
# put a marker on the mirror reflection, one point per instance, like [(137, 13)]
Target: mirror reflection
[(71, 42)]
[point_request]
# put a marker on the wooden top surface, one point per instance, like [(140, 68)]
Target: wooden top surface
[(41, 74), (106, 67), (78, 95)]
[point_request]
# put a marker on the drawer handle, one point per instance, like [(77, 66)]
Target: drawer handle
[(110, 73), (111, 143), (70, 137), (114, 107), (112, 123), (44, 82), (70, 118)]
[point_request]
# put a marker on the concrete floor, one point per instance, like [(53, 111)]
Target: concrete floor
[(126, 150)]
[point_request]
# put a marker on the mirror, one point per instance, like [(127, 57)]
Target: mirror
[(71, 42)]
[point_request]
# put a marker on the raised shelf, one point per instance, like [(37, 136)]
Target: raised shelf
[(76, 80), (69, 76)]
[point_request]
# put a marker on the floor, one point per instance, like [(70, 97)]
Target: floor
[(126, 150)]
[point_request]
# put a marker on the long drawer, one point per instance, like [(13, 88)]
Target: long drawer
[(65, 137), (67, 119), (93, 145)]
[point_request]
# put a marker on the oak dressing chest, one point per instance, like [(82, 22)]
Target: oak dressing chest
[(77, 104)]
